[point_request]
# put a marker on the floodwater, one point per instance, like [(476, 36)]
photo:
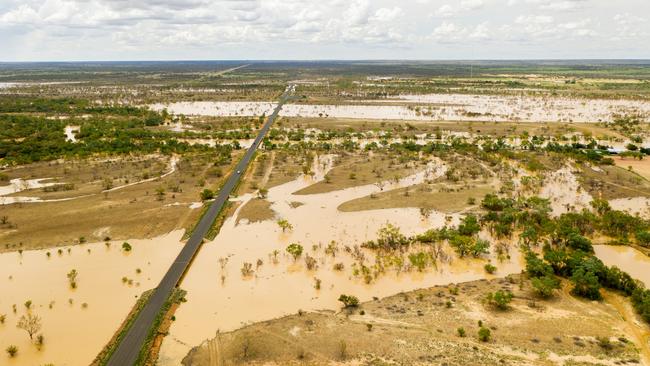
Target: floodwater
[(243, 143), (564, 192), (434, 107), (632, 205), (19, 185), (628, 259), (70, 133), (218, 109), (74, 333), (284, 287)]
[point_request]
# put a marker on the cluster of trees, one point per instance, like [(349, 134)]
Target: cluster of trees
[(26, 138), (567, 251)]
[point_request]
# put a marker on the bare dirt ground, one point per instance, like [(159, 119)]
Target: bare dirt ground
[(421, 328)]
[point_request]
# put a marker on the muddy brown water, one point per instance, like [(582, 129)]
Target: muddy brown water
[(285, 287), (74, 334)]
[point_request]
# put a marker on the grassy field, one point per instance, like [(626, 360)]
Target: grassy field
[(361, 169), (612, 182), (256, 210), (440, 197)]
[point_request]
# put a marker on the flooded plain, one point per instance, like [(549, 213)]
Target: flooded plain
[(434, 107), (82, 319), (630, 260), (222, 298)]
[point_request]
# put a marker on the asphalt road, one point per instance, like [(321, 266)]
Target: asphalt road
[(129, 348)]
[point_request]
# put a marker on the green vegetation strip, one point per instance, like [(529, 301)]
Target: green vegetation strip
[(105, 354), (176, 297)]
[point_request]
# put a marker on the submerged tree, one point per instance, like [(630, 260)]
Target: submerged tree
[(295, 250), (30, 324), (72, 278), (285, 225)]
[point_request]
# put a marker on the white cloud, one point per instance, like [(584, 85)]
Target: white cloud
[(175, 29), (386, 14)]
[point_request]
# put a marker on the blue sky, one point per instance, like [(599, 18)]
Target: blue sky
[(63, 30)]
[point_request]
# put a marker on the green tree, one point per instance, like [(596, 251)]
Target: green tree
[(390, 237), (643, 238), (462, 244), (480, 247), (585, 284), (578, 242), (349, 301), (207, 194), (536, 267), (295, 250), (284, 225), (600, 206), (544, 286), (469, 226)]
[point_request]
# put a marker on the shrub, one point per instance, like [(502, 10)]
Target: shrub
[(579, 242), (536, 267), (126, 247), (310, 262), (349, 301), (643, 238), (469, 226), (461, 332), (489, 268), (12, 351), (484, 334), (544, 286), (500, 299), (418, 260), (207, 194)]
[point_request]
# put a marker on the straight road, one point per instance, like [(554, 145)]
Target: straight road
[(128, 350)]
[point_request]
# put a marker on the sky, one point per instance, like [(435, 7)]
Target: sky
[(107, 30)]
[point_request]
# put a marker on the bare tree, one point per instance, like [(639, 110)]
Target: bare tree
[(30, 324)]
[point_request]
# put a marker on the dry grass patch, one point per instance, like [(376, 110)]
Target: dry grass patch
[(411, 128), (134, 212), (256, 210), (641, 167), (358, 170), (421, 327), (440, 197), (288, 166), (613, 182)]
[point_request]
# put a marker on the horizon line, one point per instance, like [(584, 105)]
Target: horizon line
[(326, 60)]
